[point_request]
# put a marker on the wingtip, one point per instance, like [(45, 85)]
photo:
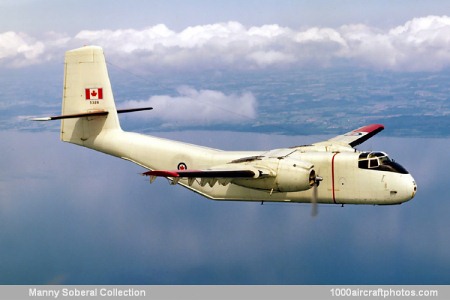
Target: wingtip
[(41, 119), (370, 128), (369, 131)]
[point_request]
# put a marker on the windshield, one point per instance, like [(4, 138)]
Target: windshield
[(379, 161)]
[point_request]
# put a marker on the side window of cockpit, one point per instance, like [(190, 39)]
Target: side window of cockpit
[(363, 164), (373, 163)]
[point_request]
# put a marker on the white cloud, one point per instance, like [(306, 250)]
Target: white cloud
[(264, 59), (18, 49), (421, 44), (193, 106)]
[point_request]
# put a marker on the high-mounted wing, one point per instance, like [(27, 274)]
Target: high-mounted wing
[(355, 137), (211, 176), (203, 174)]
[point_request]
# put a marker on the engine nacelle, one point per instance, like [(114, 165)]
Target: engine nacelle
[(291, 175), (294, 175)]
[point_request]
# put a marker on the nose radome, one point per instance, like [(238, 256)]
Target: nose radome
[(414, 188), (411, 187), (407, 188)]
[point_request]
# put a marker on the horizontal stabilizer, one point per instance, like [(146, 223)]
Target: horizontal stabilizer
[(90, 114), (128, 110)]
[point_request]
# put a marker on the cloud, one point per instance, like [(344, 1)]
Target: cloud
[(421, 44), (19, 49), (220, 45), (191, 106)]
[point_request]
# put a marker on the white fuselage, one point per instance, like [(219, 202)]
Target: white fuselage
[(343, 181)]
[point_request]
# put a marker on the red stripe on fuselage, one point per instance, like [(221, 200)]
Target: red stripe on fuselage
[(332, 177)]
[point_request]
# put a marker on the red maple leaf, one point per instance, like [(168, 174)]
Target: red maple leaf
[(93, 93)]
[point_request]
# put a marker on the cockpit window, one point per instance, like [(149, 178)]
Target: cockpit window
[(373, 163), (379, 161)]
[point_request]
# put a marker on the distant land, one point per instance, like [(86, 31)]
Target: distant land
[(289, 102)]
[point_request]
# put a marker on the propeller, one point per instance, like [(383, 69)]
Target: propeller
[(315, 196)]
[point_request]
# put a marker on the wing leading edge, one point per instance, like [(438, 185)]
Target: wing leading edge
[(210, 177), (203, 173)]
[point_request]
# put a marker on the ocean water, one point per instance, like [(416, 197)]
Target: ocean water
[(75, 216)]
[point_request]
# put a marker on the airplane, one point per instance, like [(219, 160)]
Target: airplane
[(328, 172)]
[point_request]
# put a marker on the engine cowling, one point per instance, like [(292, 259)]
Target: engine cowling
[(294, 175), (290, 175)]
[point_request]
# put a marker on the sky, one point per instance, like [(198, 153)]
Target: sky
[(73, 216)]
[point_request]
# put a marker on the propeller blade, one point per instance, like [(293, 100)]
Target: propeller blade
[(315, 196), (314, 210)]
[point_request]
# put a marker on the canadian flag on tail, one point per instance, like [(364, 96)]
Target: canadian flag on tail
[(94, 94)]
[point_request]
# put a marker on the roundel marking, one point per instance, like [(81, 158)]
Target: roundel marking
[(182, 166)]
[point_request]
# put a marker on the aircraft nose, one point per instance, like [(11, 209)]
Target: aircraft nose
[(411, 187), (414, 189), (408, 188)]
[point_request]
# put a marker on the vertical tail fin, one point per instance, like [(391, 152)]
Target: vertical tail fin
[(87, 89)]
